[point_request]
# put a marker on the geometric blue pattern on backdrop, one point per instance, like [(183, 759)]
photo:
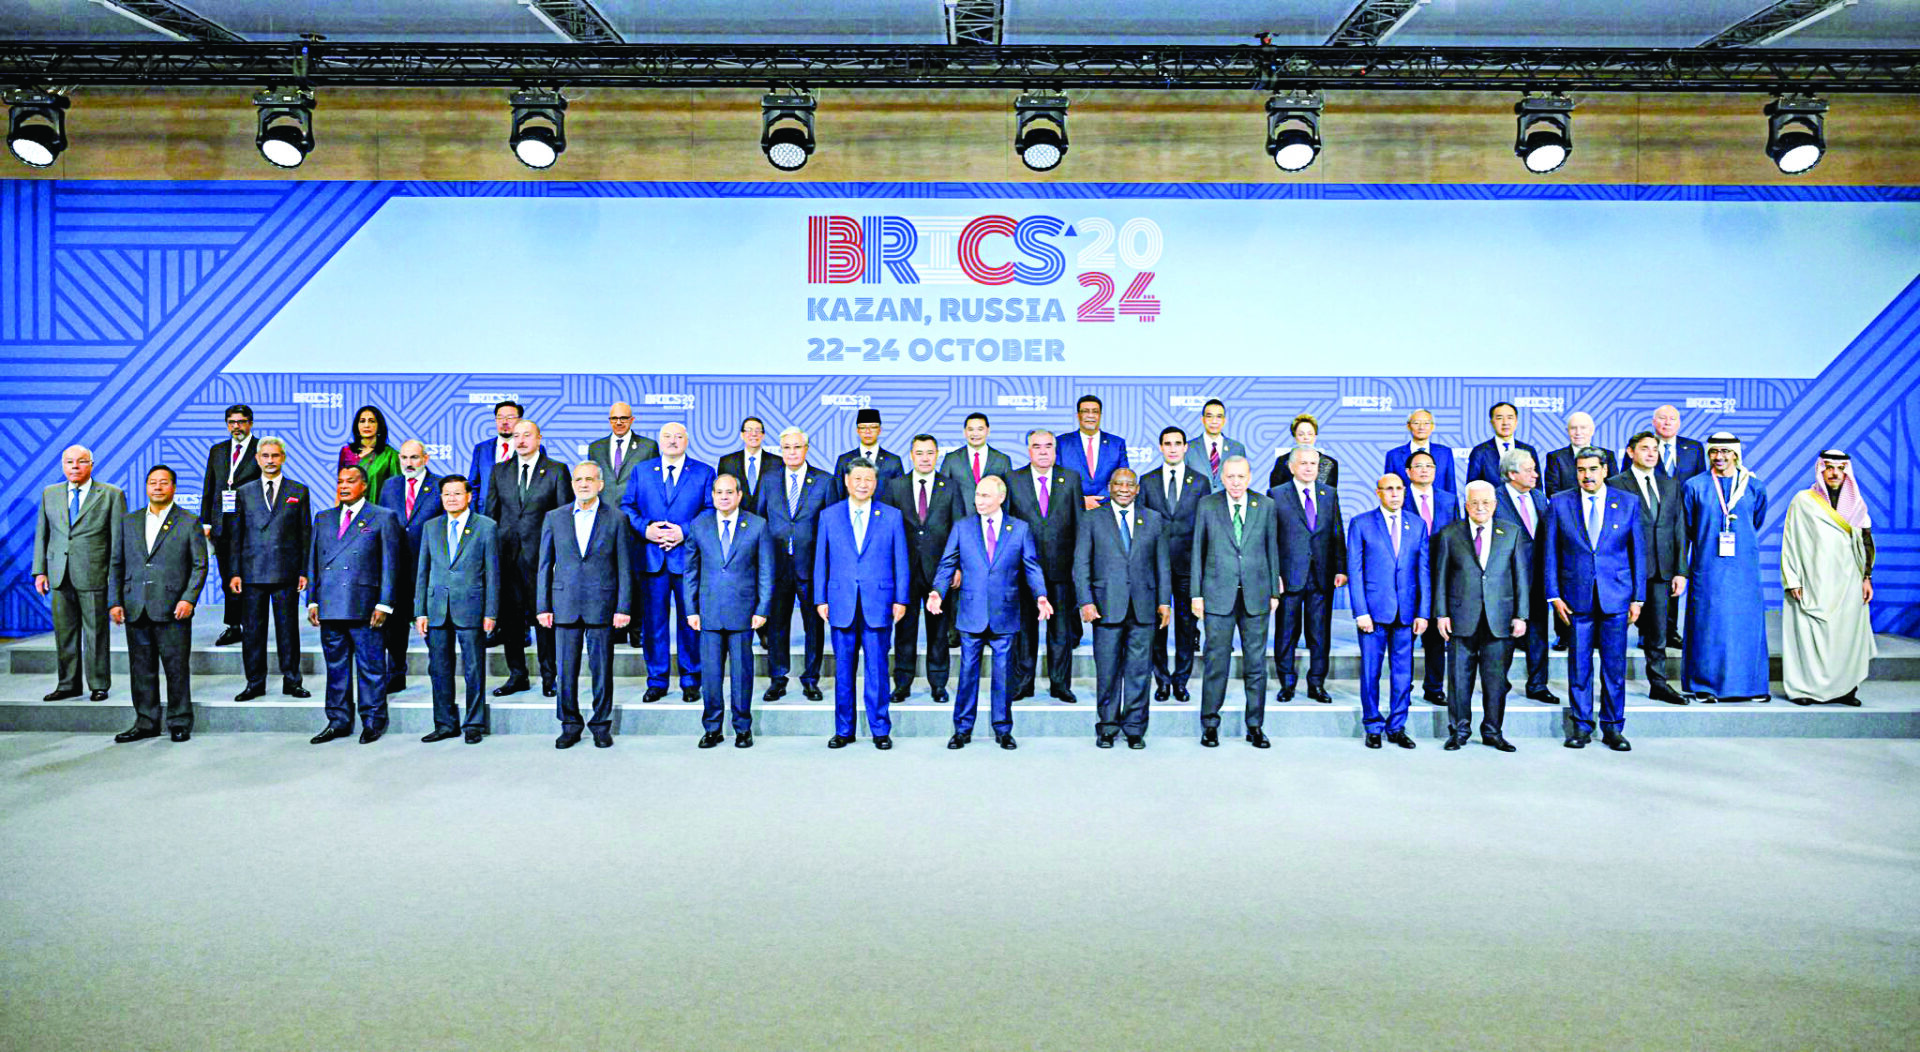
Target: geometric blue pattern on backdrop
[(120, 303)]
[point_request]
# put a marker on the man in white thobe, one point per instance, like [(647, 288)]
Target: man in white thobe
[(1826, 567)]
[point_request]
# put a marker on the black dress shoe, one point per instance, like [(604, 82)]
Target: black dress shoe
[(690, 695), (369, 735), (958, 741), (1160, 692), (1576, 741), (711, 739), (396, 686), (473, 737), (251, 693), (1320, 695), (134, 734), (98, 695), (1616, 742), (567, 740), (1136, 741), (882, 742), (1435, 697), (1210, 737), (1373, 741), (940, 697), (228, 638), (1668, 695), (61, 695), (1180, 694), (512, 686), (1545, 697), (1850, 699), (330, 734), (1285, 695), (296, 691), (549, 690), (1258, 738), (775, 691), (1559, 647), (1454, 742), (1022, 694), (1063, 694), (743, 740), (1400, 738), (603, 739), (840, 741), (1674, 642), (899, 694), (181, 735), (1006, 741), (811, 693), (440, 734), (1104, 741), (653, 694)]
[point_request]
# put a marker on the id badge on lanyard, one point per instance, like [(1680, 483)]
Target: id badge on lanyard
[(1726, 543), (228, 505), (1727, 547)]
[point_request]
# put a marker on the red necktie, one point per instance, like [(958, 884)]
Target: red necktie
[(411, 487), (1213, 456), (976, 469), (503, 451)]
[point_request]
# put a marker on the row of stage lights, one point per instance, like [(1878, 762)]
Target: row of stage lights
[(1543, 137)]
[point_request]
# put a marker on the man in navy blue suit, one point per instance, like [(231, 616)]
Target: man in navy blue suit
[(861, 577), (1681, 458), (1518, 500), (992, 553), (730, 580), (351, 581), (1420, 435), (1122, 578), (1560, 472), (1391, 592), (1174, 490), (1483, 464), (271, 544), (1313, 563), (662, 499), (1434, 508), (414, 495), (1090, 452), (1596, 567), (791, 503), (491, 451), (585, 592)]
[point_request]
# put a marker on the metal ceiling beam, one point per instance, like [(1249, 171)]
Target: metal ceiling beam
[(1374, 22), (575, 20), (170, 19), (329, 64), (1776, 21), (975, 21)]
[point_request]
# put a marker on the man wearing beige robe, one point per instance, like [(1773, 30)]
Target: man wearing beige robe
[(1826, 567)]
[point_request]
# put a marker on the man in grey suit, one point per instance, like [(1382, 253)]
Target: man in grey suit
[(1236, 588), (73, 541), (975, 459), (157, 569), (351, 581), (456, 590), (1663, 520), (1211, 447), (618, 453), (1121, 572), (729, 580), (269, 537), (584, 588), (1482, 583)]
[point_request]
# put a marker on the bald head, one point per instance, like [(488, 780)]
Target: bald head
[(620, 419), (1579, 429)]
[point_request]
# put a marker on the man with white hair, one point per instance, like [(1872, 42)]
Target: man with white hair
[(1726, 654), (1826, 567), (1482, 585), (1560, 473), (73, 541)]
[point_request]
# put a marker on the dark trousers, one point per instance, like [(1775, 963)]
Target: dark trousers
[(786, 592), (441, 640), (1433, 660), (80, 636), (517, 596), (151, 647), (1538, 641), (849, 645), (1063, 634), (906, 639), (1477, 655), (1608, 632), (399, 634), (599, 645), (356, 658), (1185, 629), (1313, 612), (1122, 670), (1654, 632), (726, 661), (1391, 645), (666, 612), (1252, 628), (233, 609), (284, 604), (966, 694)]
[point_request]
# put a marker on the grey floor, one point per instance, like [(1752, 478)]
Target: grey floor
[(252, 891)]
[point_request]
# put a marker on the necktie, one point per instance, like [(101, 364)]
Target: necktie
[(1666, 455), (235, 466), (1238, 522), (453, 538), (346, 517), (859, 530), (1653, 501), (1126, 532), (412, 490), (1480, 545), (726, 541), (1426, 511), (619, 448), (1593, 522), (526, 478), (1393, 531), (1213, 456), (272, 487), (793, 495), (753, 470), (670, 479), (73, 504), (1173, 488), (1092, 454), (1503, 448), (1313, 518), (923, 500), (993, 534), (1046, 494), (1526, 511), (867, 455), (976, 467), (502, 455)]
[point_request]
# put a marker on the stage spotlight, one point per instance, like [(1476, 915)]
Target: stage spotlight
[(1293, 129), (1543, 136), (285, 134), (1040, 130), (36, 126), (539, 133), (1796, 132), (786, 129)]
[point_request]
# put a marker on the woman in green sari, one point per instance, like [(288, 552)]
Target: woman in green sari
[(369, 450)]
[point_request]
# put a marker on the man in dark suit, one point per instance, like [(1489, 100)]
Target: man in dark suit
[(1481, 576), (1663, 521), (1560, 473), (1483, 464), (489, 453), (456, 587), (662, 500), (1047, 497), (1313, 562), (1213, 445), (414, 495), (730, 582), (156, 573), (926, 500), (1236, 589), (1433, 508), (1390, 590), (271, 538), (585, 590), (230, 465), (352, 577), (74, 537), (886, 465), (1420, 437), (1518, 500), (860, 574), (995, 551), (1681, 458), (751, 463), (791, 503), (1121, 572), (618, 453), (1596, 571), (975, 460), (1174, 490), (522, 492), (1091, 454)]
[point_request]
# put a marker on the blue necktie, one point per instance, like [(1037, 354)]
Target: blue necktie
[(73, 505), (1126, 533), (726, 540), (453, 538), (670, 480)]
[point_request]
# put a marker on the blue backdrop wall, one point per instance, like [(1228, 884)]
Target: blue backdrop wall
[(131, 314)]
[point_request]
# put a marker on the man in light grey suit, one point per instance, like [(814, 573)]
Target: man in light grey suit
[(730, 583), (73, 541), (1121, 571), (1236, 588), (1211, 447), (456, 588), (583, 591), (158, 566), (618, 453), (1482, 580)]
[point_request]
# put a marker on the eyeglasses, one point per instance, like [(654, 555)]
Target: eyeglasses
[(618, 419)]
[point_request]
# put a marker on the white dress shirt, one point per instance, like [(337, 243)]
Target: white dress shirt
[(155, 520), (84, 488), (1646, 482), (1171, 475), (859, 513)]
